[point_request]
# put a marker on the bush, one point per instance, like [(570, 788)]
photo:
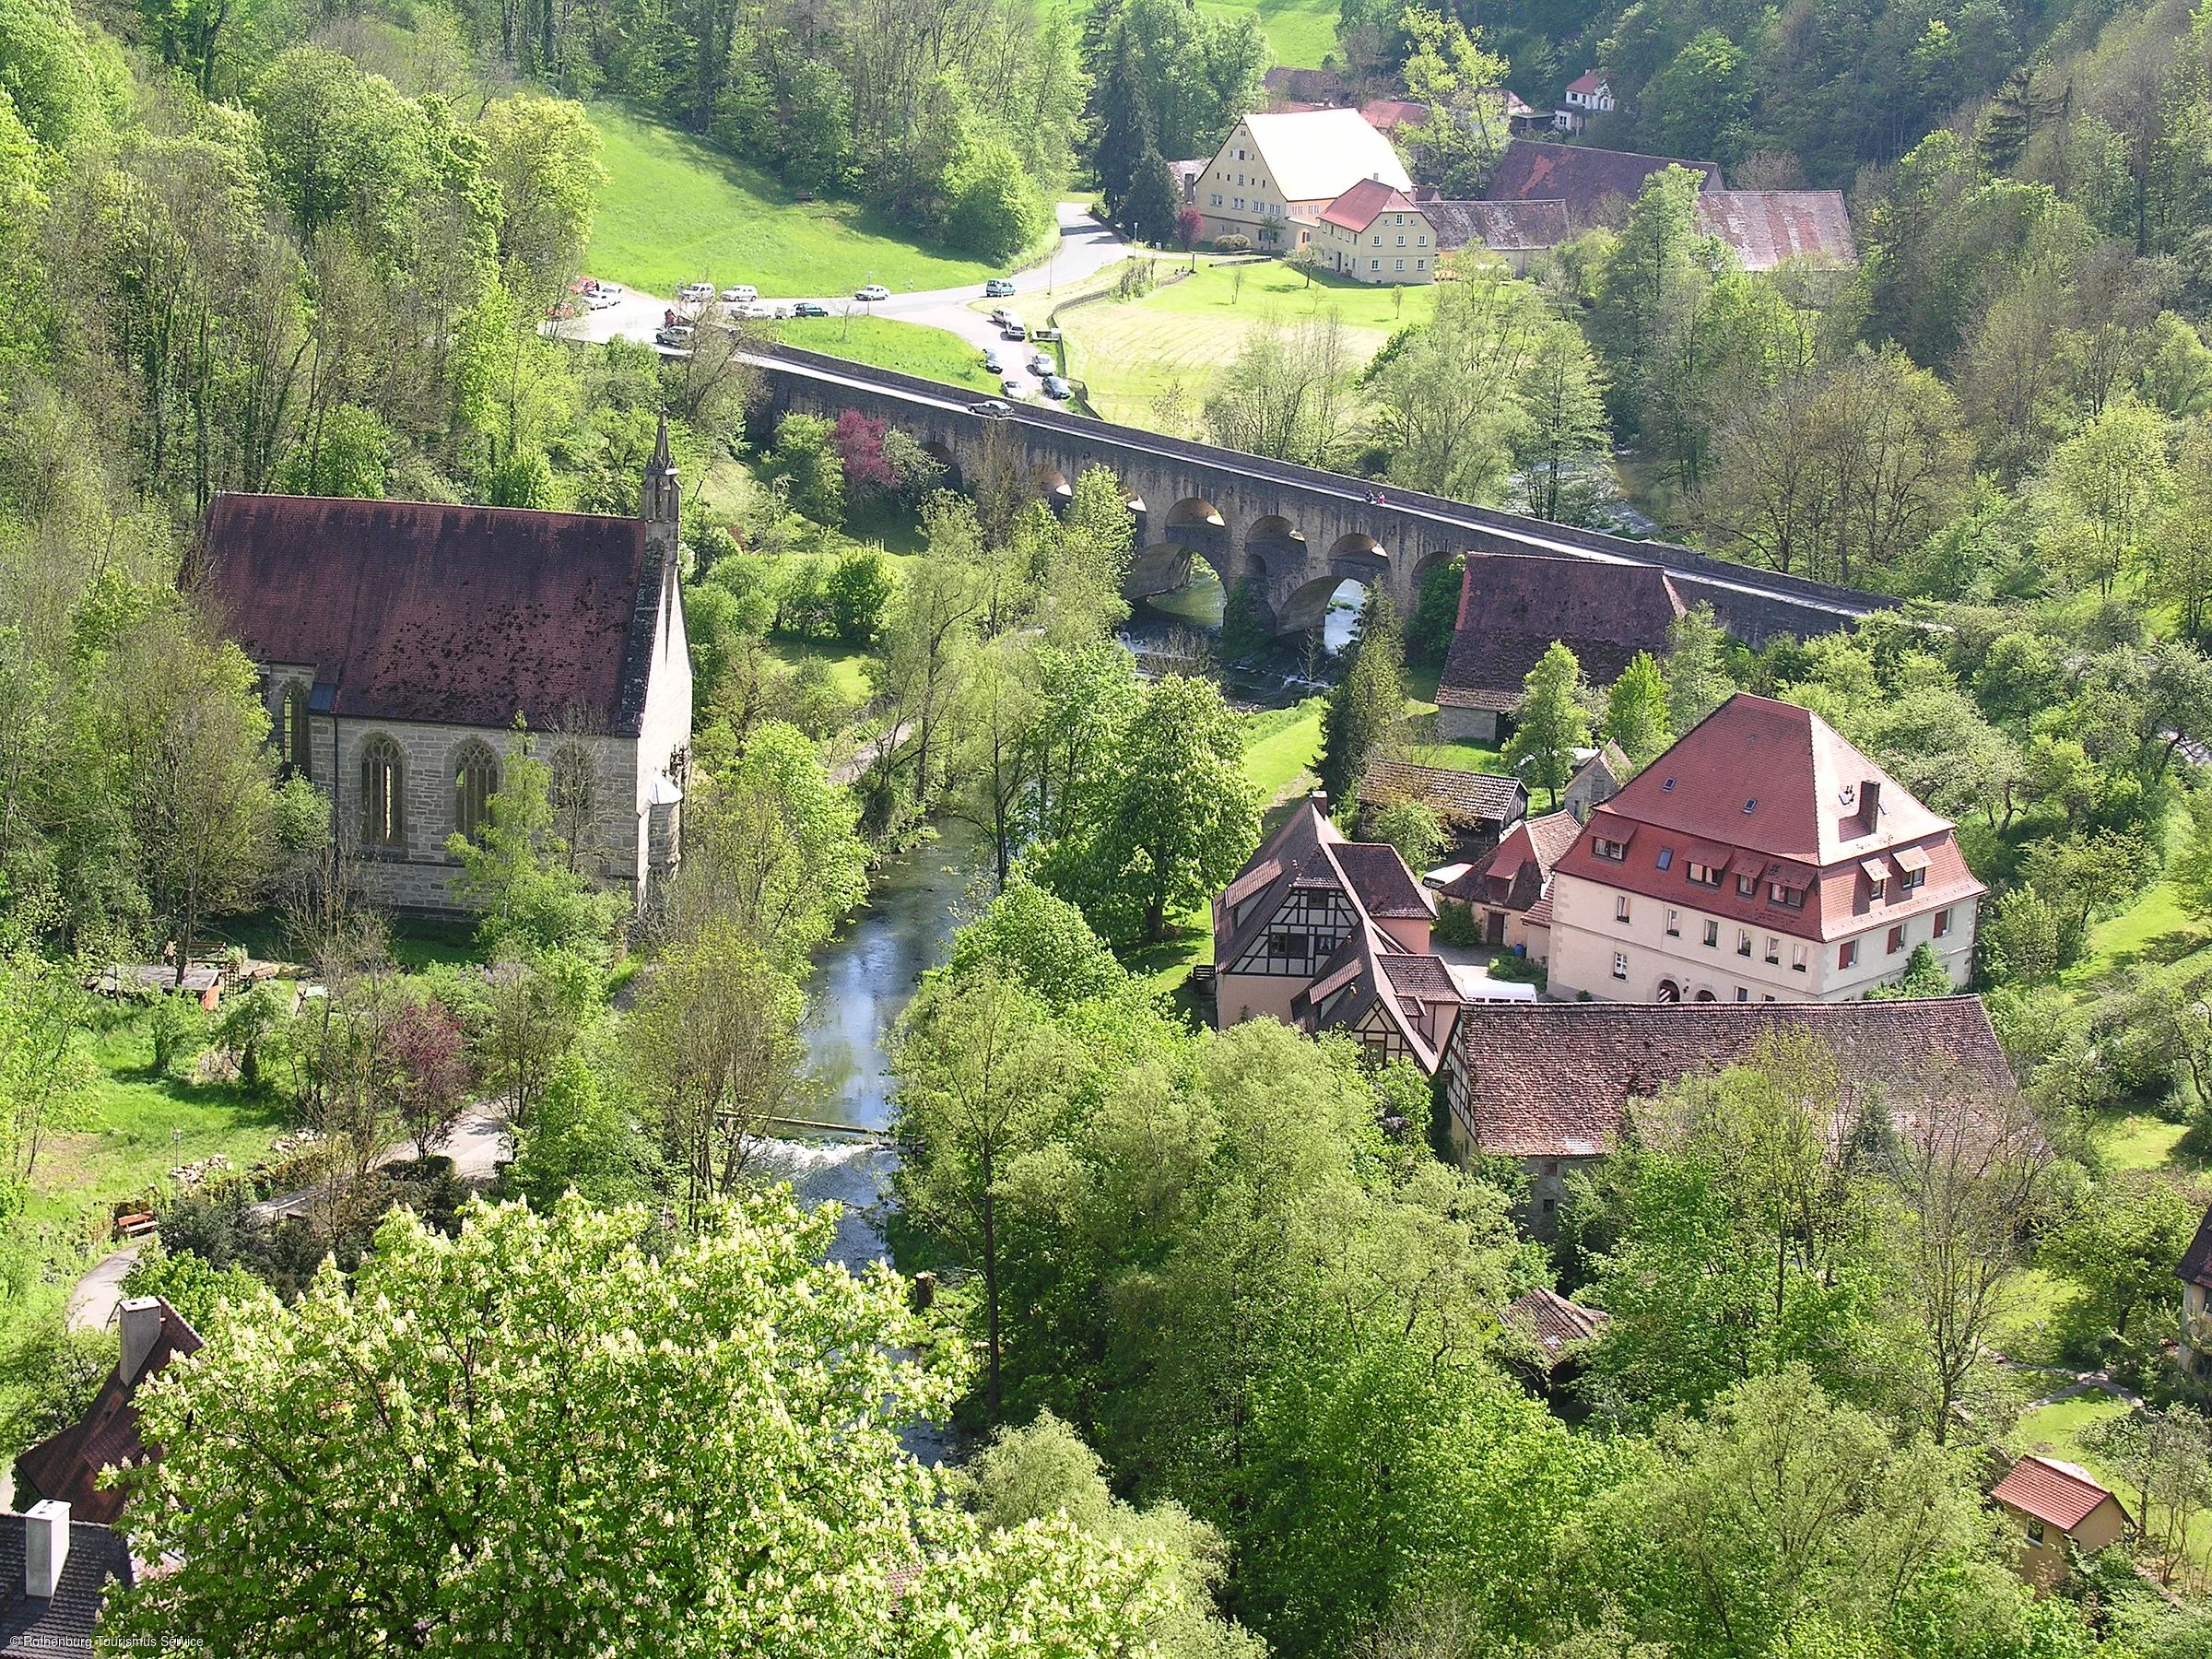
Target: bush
[(47, 1379), (1456, 924), (1233, 244), (179, 1026), (188, 1283)]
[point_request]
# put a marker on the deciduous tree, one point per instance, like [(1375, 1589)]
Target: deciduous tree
[(1550, 721)]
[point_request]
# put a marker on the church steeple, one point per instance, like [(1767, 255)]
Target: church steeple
[(661, 495)]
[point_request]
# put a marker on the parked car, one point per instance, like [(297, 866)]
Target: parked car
[(809, 307), (696, 293), (1012, 330), (679, 335), (873, 292), (999, 287), (1010, 386), (603, 298), (744, 293), (1041, 364), (993, 363), (762, 310), (1057, 387), (1046, 335), (993, 406)]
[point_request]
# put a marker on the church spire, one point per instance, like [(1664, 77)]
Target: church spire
[(662, 494)]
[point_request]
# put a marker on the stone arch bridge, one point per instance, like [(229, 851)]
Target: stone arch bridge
[(1294, 532)]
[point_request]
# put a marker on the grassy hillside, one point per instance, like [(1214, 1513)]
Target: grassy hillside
[(1128, 353), (675, 210), (1302, 31), (908, 347)]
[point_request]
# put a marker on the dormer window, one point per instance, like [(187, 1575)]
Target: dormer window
[(1704, 874), (1789, 898), (1604, 848), (1746, 887)]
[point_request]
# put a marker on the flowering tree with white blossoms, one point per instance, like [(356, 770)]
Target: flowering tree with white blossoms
[(539, 1438)]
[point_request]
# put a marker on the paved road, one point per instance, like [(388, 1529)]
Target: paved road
[(1086, 248), (93, 1304)]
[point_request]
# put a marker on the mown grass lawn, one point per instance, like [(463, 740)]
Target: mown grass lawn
[(1128, 353), (675, 210), (1302, 32), (2136, 1140), (907, 347), (1280, 747)]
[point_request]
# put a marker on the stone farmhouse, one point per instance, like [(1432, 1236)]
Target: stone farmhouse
[(1549, 1083), (1510, 610), (1596, 185), (404, 645), (1275, 169), (1325, 933), (1761, 858)]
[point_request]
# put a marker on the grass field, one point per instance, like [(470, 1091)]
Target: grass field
[(1281, 746), (908, 347), (1302, 31), (676, 210), (1128, 353)]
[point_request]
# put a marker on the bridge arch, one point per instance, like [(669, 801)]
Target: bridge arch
[(1052, 484), (1276, 532), (1357, 558), (1195, 513), (1159, 568), (1307, 606), (942, 454)]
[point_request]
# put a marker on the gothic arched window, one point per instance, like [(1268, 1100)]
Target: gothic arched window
[(292, 747), (476, 781), (383, 779)]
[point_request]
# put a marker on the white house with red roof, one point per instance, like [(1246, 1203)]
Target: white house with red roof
[(1375, 233), (1272, 169), (1588, 94), (1761, 858)]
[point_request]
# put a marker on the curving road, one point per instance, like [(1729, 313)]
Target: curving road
[(1086, 248)]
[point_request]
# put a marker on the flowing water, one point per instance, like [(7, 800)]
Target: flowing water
[(861, 981)]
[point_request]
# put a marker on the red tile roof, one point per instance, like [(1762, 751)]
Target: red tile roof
[(1513, 607), (1587, 82), (1554, 1321), (1772, 791), (1552, 1079), (1379, 877), (1469, 797), (66, 1466), (2058, 1494), (1533, 171), (1357, 207), (1388, 114), (1765, 226), (1502, 227), (418, 610)]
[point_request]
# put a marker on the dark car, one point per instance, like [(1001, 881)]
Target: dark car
[(809, 307)]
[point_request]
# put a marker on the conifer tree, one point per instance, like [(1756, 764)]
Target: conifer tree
[(1365, 711), (1124, 135), (1153, 201)]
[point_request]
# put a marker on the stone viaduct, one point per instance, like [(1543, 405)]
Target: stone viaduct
[(1294, 531)]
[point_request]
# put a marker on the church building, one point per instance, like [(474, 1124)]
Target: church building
[(407, 650)]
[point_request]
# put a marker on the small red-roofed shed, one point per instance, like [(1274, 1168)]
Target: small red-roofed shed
[(2056, 1504)]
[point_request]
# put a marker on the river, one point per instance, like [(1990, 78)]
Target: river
[(862, 981)]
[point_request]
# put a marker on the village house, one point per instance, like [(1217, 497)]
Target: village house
[(1510, 892), (1276, 169), (1477, 809), (1299, 89), (1326, 934), (1513, 232), (2052, 1506), (1596, 185), (1761, 858), (1549, 1083), (1512, 607), (404, 646), (2194, 1271), (1388, 114), (1372, 234), (66, 1467), (1588, 94)]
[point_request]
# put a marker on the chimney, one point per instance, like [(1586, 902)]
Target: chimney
[(1870, 807), (141, 1329), (45, 1547)]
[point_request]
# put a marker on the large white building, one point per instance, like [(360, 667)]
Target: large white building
[(1276, 169), (1762, 858)]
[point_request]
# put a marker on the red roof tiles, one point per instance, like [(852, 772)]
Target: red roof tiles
[(424, 611), (1360, 206), (2195, 1267), (1533, 171), (1763, 227), (1512, 607), (2058, 1494), (66, 1466), (1552, 1079), (1554, 1321), (1465, 796)]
